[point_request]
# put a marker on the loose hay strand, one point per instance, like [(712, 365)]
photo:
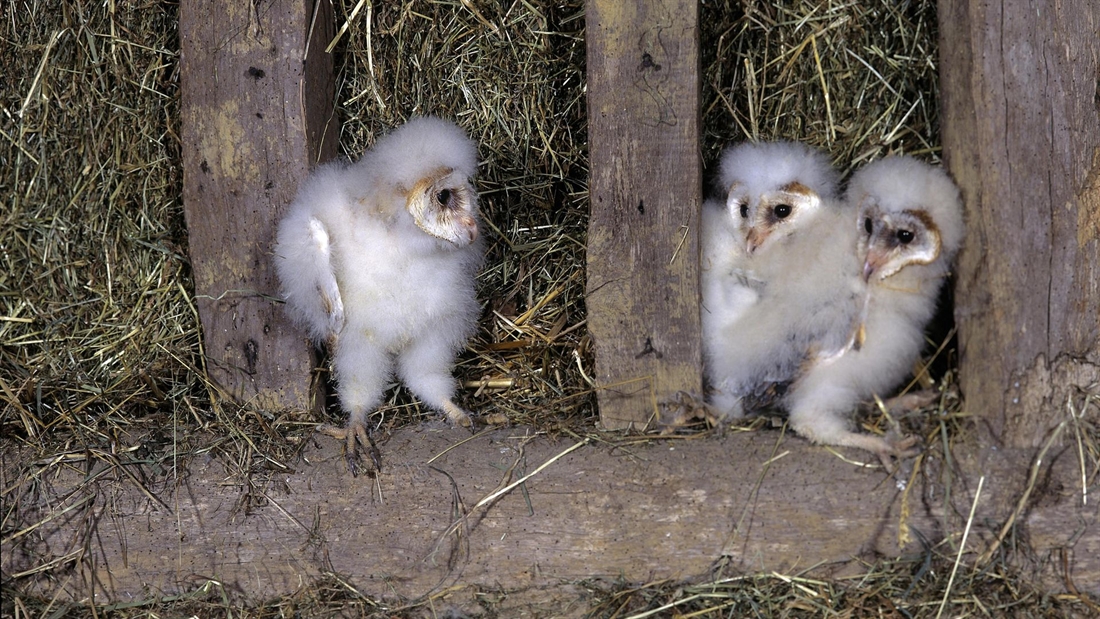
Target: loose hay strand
[(962, 547), (1033, 476), (505, 490)]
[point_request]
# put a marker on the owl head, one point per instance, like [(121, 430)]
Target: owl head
[(428, 164), (909, 213), (772, 188)]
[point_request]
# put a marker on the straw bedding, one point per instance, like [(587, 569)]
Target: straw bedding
[(100, 342)]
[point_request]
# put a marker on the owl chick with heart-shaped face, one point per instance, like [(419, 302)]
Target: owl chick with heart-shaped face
[(908, 228), (770, 194), (377, 260)]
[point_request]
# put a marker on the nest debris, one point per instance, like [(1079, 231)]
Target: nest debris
[(100, 348)]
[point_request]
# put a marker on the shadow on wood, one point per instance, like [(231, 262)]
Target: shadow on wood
[(637, 512)]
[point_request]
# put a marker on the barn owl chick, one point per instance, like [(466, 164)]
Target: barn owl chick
[(770, 194), (377, 259), (908, 227)]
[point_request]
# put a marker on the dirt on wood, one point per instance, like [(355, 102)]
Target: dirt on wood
[(515, 510)]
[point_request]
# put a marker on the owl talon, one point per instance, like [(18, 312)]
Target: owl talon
[(351, 453), (457, 416), (354, 435), (912, 401), (682, 409), (894, 449), (366, 440)]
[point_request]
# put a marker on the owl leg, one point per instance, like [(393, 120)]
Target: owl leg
[(722, 395), (724, 408), (356, 433), (425, 368), (362, 371), (831, 428), (912, 401)]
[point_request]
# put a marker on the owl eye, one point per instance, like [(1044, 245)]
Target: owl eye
[(744, 211), (783, 211), (905, 237), (868, 226), (443, 197)]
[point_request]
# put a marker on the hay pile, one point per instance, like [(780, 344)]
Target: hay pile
[(857, 80), (98, 329), (99, 339)]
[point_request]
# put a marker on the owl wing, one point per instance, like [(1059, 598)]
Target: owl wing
[(328, 291), (813, 309), (304, 257)]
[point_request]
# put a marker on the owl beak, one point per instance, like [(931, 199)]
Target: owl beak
[(470, 224), (754, 239), (874, 261)]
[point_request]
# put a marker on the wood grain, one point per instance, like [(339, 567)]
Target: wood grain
[(1020, 87), (645, 187), (257, 113), (635, 513)]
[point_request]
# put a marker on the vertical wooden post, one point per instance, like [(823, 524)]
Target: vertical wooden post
[(257, 113), (1021, 132), (645, 188)]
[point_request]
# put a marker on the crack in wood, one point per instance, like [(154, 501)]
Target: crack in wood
[(648, 349)]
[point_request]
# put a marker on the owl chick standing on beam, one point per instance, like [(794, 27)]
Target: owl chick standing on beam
[(908, 228), (377, 260), (772, 194), (835, 312)]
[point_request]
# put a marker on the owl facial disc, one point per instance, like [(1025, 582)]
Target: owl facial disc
[(889, 242), (444, 205)]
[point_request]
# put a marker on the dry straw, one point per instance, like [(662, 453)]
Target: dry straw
[(100, 354), (98, 327), (97, 332)]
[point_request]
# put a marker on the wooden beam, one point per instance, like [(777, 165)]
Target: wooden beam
[(654, 510), (645, 187), (257, 113), (1021, 135)]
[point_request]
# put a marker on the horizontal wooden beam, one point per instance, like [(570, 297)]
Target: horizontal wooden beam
[(651, 510)]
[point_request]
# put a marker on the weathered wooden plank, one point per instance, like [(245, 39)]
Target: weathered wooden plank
[(646, 512), (645, 186), (256, 113), (1021, 134)]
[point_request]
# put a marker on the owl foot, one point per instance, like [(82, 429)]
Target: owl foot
[(681, 409), (890, 449), (912, 401), (457, 416), (893, 448), (355, 434)]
